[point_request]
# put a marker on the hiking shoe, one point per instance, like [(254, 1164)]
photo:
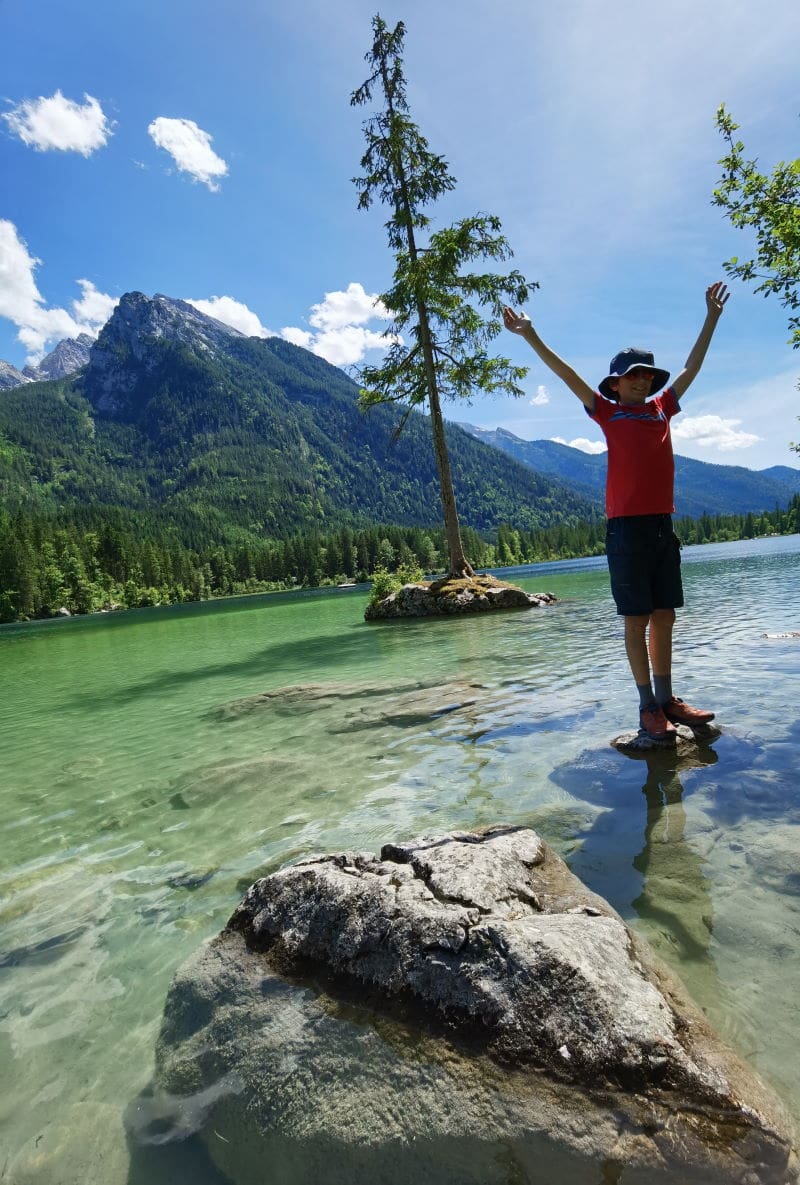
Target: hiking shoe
[(682, 713), (654, 722)]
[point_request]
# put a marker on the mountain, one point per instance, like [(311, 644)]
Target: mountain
[(68, 356), (227, 437), (783, 473), (10, 376), (700, 487)]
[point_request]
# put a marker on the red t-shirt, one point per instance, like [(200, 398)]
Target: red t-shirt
[(641, 467)]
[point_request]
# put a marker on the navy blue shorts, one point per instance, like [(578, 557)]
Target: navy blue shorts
[(644, 563)]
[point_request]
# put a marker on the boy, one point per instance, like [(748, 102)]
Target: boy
[(643, 551)]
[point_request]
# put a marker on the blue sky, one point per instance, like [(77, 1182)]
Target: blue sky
[(206, 151)]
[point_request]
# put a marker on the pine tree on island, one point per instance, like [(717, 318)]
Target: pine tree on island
[(448, 314)]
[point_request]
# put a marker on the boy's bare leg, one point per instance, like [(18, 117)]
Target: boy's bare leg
[(660, 641), (636, 648)]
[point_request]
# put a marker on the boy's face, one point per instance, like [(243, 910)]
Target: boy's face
[(633, 387)]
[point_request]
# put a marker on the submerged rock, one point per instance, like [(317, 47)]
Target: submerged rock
[(684, 741), (476, 594), (460, 1010), (358, 706)]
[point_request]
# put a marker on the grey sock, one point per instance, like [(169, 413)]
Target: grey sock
[(646, 697), (663, 685)]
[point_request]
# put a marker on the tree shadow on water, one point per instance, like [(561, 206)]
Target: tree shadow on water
[(524, 724), (307, 655)]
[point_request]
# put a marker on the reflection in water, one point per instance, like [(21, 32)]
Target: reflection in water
[(675, 902), (656, 876)]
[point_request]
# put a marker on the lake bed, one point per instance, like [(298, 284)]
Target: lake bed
[(145, 785)]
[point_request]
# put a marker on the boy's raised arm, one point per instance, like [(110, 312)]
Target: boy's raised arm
[(716, 299), (521, 324)]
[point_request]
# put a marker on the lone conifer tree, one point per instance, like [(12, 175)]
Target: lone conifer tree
[(432, 299)]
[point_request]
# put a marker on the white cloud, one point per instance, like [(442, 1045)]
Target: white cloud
[(298, 337), (234, 313), (541, 397), (340, 310), (713, 432), (93, 307), (339, 335), (348, 345), (190, 148), (339, 321), (582, 443), (59, 124), (23, 304)]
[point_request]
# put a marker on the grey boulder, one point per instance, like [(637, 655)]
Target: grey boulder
[(462, 1010)]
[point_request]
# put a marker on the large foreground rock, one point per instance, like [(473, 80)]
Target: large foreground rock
[(461, 1010)]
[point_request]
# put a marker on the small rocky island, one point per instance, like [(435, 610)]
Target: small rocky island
[(451, 594), (460, 1011)]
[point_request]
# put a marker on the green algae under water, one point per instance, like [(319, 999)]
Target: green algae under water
[(138, 804)]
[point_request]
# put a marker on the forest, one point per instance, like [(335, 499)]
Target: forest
[(94, 560)]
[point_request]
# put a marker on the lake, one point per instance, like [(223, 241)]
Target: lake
[(144, 786)]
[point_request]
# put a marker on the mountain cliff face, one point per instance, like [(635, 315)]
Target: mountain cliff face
[(136, 322), (10, 377), (179, 415), (68, 356), (124, 350)]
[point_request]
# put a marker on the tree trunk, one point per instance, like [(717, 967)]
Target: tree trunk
[(459, 565)]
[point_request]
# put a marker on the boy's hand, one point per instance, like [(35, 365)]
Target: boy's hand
[(516, 322), (716, 298)]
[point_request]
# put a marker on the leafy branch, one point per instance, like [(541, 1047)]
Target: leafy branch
[(770, 204)]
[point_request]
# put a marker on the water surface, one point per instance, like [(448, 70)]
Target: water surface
[(138, 803)]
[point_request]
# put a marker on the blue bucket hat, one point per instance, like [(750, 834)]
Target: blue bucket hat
[(627, 360)]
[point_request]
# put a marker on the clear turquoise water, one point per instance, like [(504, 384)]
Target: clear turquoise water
[(135, 811)]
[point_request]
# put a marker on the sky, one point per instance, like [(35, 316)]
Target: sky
[(206, 151)]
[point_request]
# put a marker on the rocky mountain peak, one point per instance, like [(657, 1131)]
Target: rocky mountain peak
[(138, 319), (489, 435), (136, 323), (11, 377), (68, 356)]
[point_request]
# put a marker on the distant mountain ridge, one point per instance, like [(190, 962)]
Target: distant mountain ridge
[(10, 377), (700, 486), (67, 357), (178, 415)]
